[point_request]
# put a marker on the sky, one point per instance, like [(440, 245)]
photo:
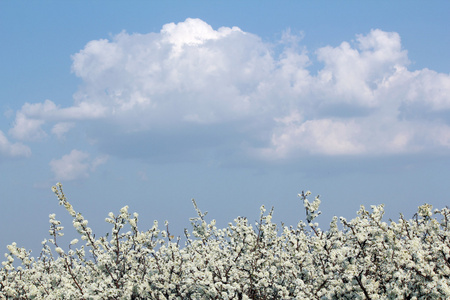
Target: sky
[(233, 103)]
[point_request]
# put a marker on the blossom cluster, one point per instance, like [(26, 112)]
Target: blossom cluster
[(365, 258)]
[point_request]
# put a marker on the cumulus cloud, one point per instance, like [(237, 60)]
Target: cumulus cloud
[(27, 129), (8, 149), (75, 165), (373, 135), (188, 72), (353, 74), (59, 129), (32, 116), (324, 136), (50, 111), (191, 88)]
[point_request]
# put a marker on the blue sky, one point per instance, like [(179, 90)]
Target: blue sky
[(233, 103)]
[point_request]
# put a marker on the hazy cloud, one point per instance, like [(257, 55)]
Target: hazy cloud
[(75, 165), (59, 129), (8, 149), (27, 129), (32, 116)]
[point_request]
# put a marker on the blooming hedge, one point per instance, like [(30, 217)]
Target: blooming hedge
[(364, 258)]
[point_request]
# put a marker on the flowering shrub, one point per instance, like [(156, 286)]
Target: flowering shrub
[(366, 259)]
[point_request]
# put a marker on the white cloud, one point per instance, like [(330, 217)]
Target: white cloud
[(352, 75), (27, 129), (189, 86), (32, 116), (75, 165), (352, 136), (322, 136), (100, 160), (192, 32), (423, 89), (187, 73), (59, 129), (8, 149)]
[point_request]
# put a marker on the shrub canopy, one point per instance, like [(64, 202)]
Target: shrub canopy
[(364, 258)]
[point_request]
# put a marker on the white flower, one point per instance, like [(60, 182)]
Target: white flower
[(290, 262), (425, 210), (124, 210)]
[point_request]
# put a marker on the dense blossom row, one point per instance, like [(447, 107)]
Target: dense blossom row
[(364, 258)]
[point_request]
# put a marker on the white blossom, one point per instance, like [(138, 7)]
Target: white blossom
[(364, 258)]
